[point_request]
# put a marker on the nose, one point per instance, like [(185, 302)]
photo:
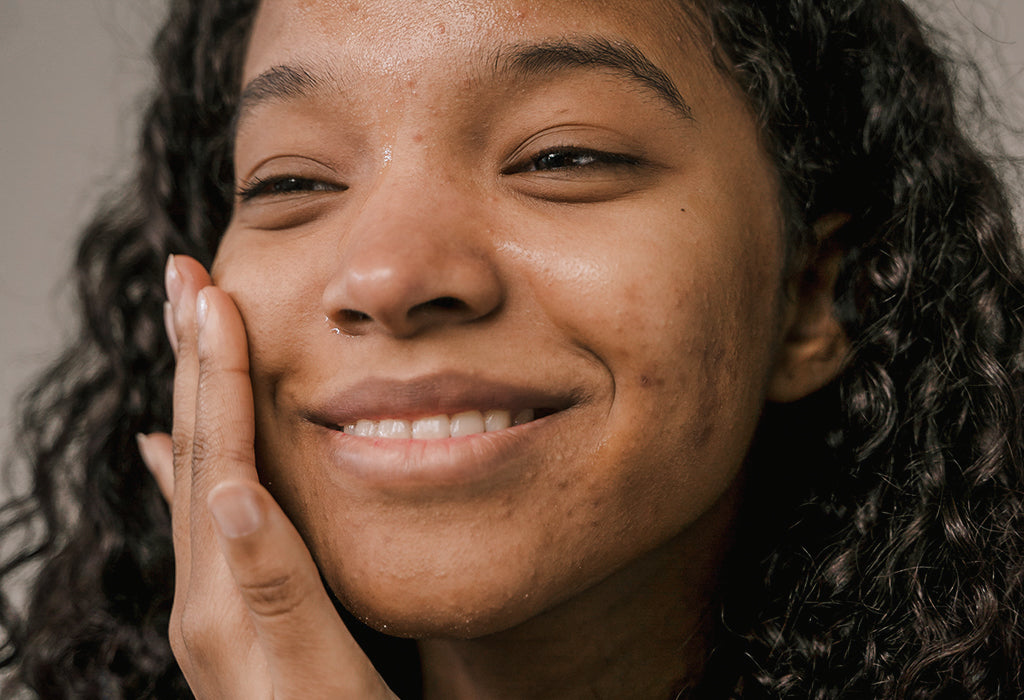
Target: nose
[(412, 259)]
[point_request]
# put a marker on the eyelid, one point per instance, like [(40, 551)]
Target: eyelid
[(602, 158), (281, 167), (611, 144), (259, 186)]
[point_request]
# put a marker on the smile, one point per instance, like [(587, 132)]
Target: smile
[(440, 426)]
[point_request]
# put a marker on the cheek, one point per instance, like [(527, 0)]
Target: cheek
[(276, 292), (684, 295), (683, 322), (274, 284)]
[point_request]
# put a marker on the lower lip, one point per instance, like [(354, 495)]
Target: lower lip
[(396, 463)]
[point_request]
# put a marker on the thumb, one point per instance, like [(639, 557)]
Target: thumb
[(308, 649)]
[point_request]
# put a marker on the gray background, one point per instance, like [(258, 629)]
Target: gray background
[(72, 73)]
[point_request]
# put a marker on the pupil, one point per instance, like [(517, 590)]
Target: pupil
[(562, 159)]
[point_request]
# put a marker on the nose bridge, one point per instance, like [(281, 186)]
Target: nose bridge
[(410, 204), (414, 256)]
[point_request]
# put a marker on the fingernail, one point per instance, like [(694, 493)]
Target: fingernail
[(235, 510), (142, 440), (202, 307), (172, 335), (172, 281)]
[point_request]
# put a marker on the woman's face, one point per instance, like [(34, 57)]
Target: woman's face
[(477, 209)]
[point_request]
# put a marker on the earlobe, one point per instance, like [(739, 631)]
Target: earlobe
[(814, 345)]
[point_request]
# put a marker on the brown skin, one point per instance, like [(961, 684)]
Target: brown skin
[(645, 295)]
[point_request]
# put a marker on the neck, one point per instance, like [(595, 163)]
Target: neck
[(642, 632)]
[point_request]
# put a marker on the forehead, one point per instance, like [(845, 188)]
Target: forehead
[(402, 39)]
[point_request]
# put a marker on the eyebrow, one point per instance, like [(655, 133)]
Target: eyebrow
[(594, 52), (296, 81), (281, 82)]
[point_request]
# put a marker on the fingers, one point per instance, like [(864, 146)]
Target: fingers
[(211, 635), (309, 651), (223, 435), (223, 432), (184, 278), (251, 617), (172, 334), (158, 455)]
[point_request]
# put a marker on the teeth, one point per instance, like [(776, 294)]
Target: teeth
[(441, 426), (524, 416), (432, 428), (467, 423), (395, 429), (366, 428), (497, 420)]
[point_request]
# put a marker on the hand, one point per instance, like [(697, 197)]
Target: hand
[(251, 618)]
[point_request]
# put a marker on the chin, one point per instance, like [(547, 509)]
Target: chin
[(420, 612)]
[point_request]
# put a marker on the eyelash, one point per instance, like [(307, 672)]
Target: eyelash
[(594, 159), (270, 186), (288, 184)]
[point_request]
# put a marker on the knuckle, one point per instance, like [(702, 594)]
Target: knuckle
[(213, 447), (181, 445), (192, 633), (274, 596)]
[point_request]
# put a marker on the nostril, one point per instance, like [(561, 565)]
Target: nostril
[(440, 304), (353, 316)]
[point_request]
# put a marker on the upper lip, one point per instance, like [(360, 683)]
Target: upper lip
[(431, 395)]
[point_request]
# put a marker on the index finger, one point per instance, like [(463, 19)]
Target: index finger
[(224, 433)]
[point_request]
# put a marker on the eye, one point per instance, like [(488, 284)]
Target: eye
[(283, 185), (570, 158)]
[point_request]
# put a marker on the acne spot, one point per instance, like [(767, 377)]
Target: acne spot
[(652, 378), (441, 28), (416, 138)]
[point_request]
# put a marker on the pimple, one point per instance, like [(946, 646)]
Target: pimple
[(652, 380)]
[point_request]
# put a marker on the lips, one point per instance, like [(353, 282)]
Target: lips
[(435, 406), (441, 429)]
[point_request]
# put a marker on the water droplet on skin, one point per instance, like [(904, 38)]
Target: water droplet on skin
[(335, 330)]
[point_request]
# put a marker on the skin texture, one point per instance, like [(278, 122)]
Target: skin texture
[(416, 239)]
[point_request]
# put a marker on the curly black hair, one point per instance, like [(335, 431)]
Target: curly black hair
[(882, 549)]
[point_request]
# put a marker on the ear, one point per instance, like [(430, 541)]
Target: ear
[(814, 346)]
